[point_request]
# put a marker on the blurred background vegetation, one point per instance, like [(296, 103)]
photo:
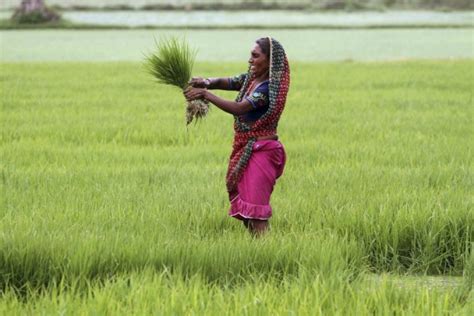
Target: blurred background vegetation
[(321, 5)]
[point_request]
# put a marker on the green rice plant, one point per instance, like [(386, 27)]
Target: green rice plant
[(107, 208), (145, 292), (172, 64)]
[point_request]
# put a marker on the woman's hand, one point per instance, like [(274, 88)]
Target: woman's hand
[(198, 82), (194, 93)]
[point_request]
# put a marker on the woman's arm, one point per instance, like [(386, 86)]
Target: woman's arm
[(232, 107), (219, 83), (211, 83)]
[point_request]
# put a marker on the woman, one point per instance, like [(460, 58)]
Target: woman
[(257, 158)]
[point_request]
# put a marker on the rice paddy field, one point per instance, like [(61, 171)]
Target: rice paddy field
[(234, 45), (111, 205)]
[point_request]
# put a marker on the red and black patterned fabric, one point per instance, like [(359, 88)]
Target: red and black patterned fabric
[(246, 134)]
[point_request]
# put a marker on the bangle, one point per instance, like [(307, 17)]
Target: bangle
[(207, 83)]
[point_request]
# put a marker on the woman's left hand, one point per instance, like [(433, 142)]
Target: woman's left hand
[(194, 93)]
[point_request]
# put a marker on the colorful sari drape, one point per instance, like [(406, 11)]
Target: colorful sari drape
[(246, 135)]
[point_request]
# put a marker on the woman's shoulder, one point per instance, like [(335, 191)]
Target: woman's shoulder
[(237, 81), (263, 86)]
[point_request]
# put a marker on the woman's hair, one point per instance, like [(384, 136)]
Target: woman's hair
[(264, 44)]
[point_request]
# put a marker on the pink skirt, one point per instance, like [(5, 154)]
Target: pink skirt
[(266, 164)]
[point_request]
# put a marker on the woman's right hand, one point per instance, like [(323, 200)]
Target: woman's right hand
[(198, 82), (192, 93)]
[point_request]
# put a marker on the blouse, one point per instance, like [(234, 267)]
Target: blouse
[(258, 98)]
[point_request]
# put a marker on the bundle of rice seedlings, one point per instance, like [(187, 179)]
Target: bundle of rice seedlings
[(172, 64)]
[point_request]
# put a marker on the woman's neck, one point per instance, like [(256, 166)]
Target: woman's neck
[(262, 77)]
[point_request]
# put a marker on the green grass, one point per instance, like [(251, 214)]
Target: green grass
[(147, 293), (109, 203)]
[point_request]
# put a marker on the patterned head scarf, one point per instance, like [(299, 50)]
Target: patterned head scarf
[(245, 135)]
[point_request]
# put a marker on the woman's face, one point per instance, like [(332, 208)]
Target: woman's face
[(258, 62)]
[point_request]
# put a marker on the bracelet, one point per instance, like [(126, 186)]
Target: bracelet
[(207, 83)]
